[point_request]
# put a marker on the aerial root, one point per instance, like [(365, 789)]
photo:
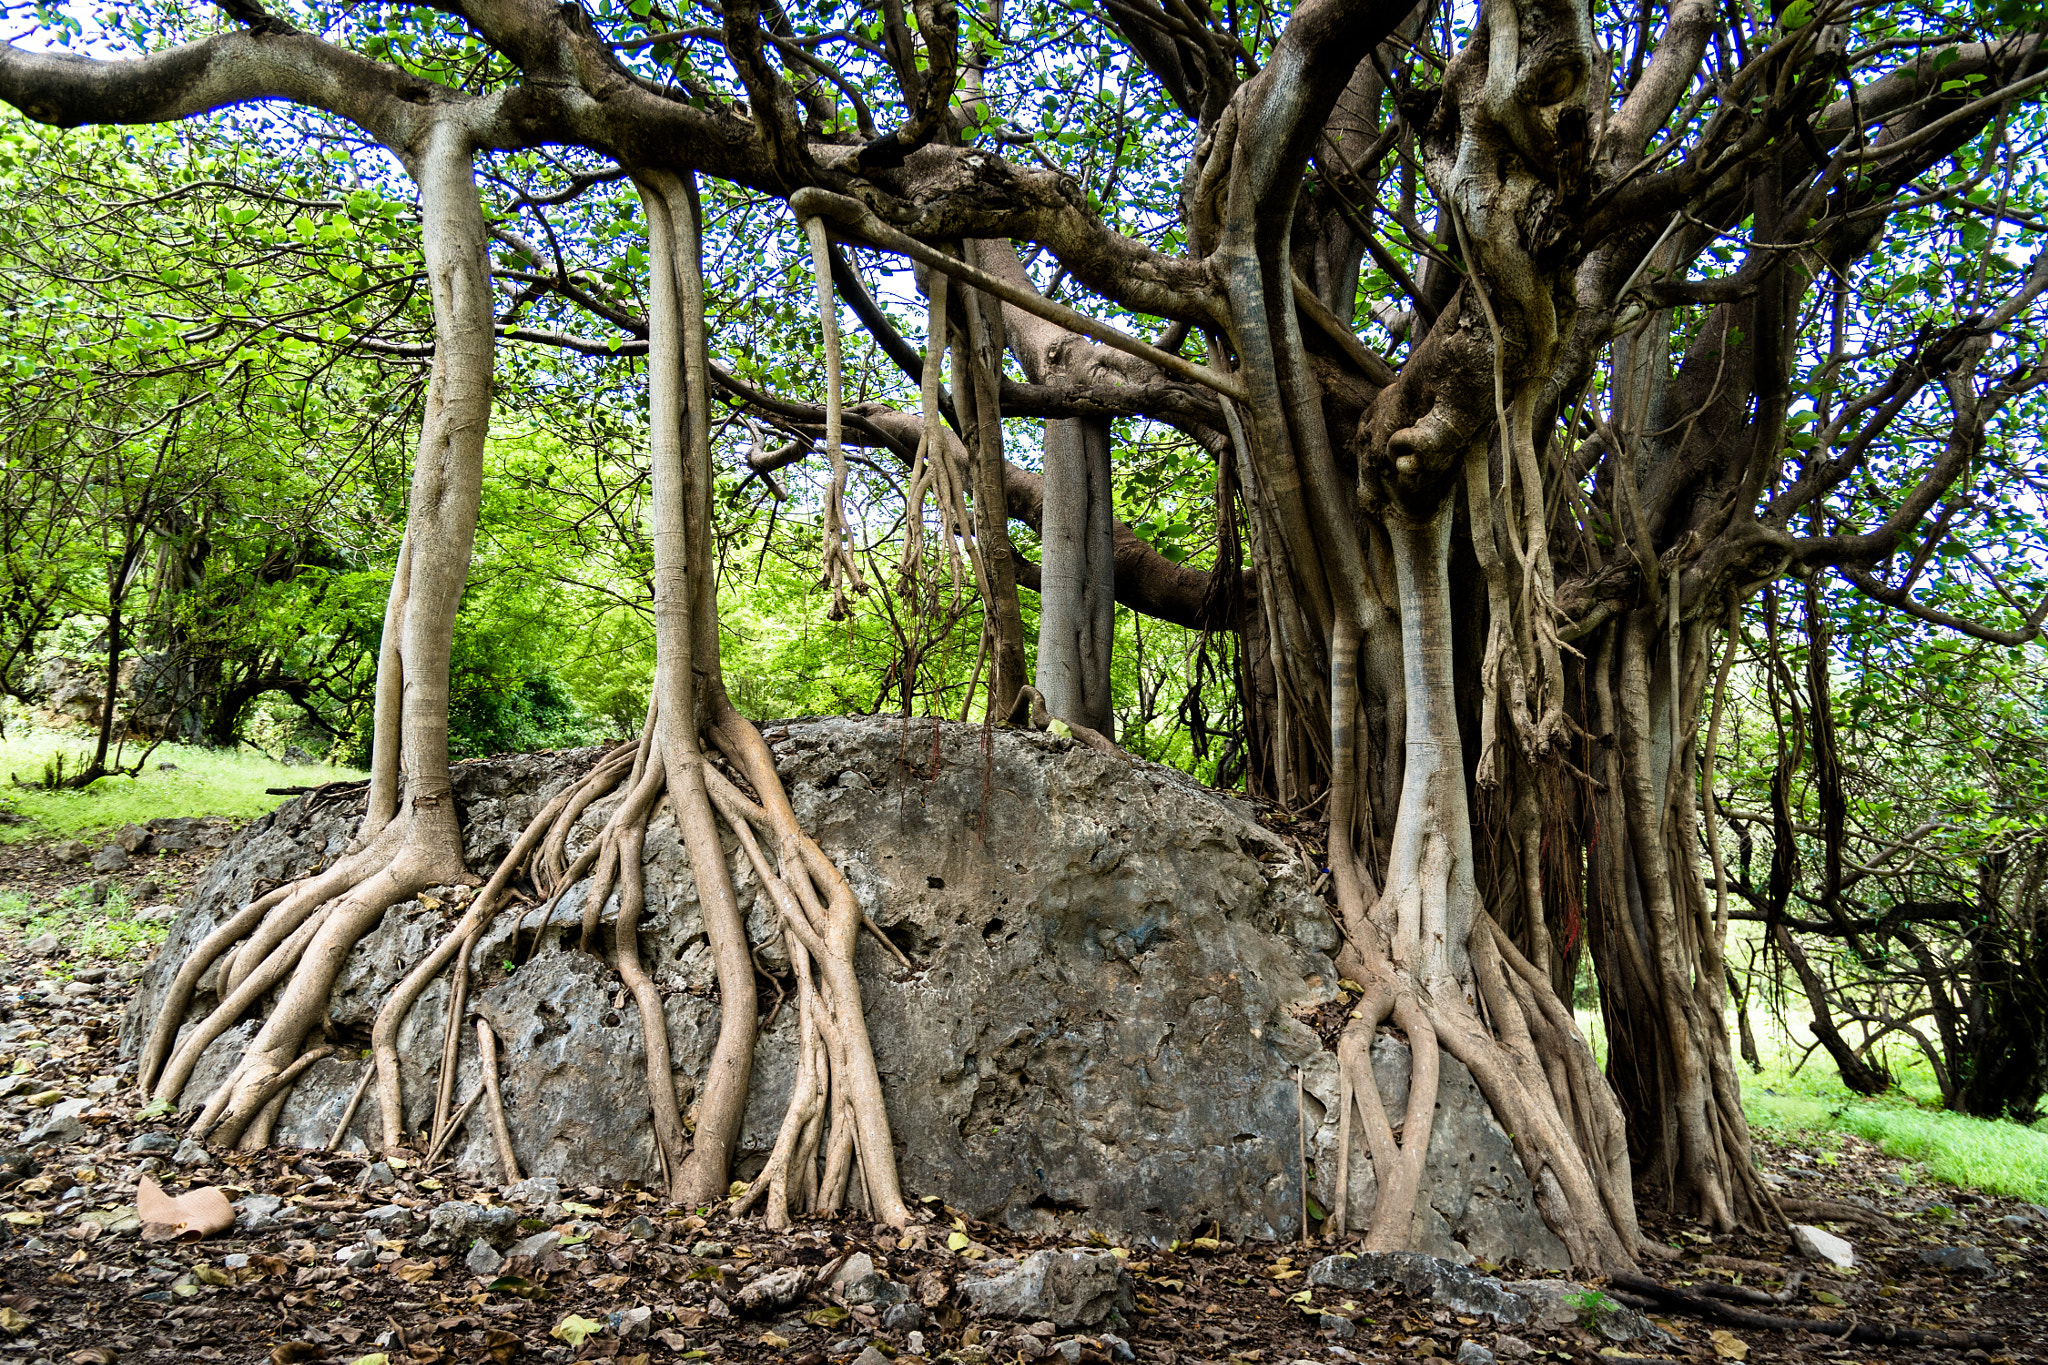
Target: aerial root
[(501, 1132), (836, 1107), (841, 571), (1029, 706), (460, 941)]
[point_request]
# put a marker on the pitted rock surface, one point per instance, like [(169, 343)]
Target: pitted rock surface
[(1100, 1032)]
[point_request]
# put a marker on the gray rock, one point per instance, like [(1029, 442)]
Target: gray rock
[(1472, 1353), (457, 1223), (132, 839), (1068, 1350), (70, 851), (81, 990), (483, 1260), (631, 1324), (2017, 1222), (257, 1212), (852, 1268), (1558, 1304), (110, 859), (357, 1258), (1816, 1244), (377, 1176), (1514, 1348), (772, 1292), (870, 1356), (144, 1144), (191, 1154), (1429, 1277), (44, 945), (873, 1289), (156, 914), (1116, 1348), (539, 1189), (1958, 1260), (903, 1317), (389, 1219), (1337, 1325), (1104, 1031), (642, 1229), (538, 1245), (710, 1251), (1066, 1288)]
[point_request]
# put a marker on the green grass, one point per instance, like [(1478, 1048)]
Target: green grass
[(106, 930), (1995, 1156), (226, 782)]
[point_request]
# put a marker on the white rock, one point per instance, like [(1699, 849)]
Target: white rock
[(1817, 1245)]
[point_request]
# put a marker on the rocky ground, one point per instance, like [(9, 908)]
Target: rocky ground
[(333, 1258)]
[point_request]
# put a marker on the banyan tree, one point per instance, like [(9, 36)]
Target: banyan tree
[(1524, 344)]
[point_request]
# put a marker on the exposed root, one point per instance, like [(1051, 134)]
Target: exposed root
[(1847, 1329), (1029, 705), (501, 1132)]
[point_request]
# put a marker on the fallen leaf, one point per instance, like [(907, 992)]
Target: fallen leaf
[(413, 1272), (196, 1213), (12, 1323), (374, 1358), (1728, 1346), (296, 1352), (212, 1274), (93, 1355), (574, 1330), (826, 1317), (26, 1220), (581, 1210), (774, 1341), (958, 1241), (610, 1284), (501, 1346)]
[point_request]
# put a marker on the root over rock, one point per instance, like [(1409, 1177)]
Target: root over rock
[(1112, 970)]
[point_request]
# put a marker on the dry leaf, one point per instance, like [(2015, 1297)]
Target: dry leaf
[(196, 1213), (574, 1330), (12, 1323), (413, 1272), (1728, 1346), (610, 1284), (93, 1355), (295, 1352)]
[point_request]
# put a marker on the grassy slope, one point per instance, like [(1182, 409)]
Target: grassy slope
[(198, 782), (1994, 1156)]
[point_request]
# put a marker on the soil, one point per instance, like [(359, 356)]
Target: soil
[(79, 1283)]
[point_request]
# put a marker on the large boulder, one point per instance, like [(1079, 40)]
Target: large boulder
[(1102, 1028)]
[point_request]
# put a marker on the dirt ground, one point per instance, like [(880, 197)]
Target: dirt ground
[(317, 1280)]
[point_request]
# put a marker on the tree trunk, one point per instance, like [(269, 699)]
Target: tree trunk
[(1077, 575)]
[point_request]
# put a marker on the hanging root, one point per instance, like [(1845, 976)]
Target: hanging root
[(501, 1132), (841, 571)]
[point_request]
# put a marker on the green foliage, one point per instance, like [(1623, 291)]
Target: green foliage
[(87, 930), (180, 779)]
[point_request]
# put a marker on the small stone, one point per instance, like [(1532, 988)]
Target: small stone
[(1817, 1245), (389, 1218), (235, 1260), (2017, 1222), (132, 839), (846, 1346), (643, 1229), (1514, 1348), (156, 914), (189, 1154), (856, 1266), (710, 1251), (1023, 1346), (631, 1324), (1965, 1260), (1472, 1353), (81, 990), (483, 1260), (70, 851), (258, 1212), (144, 891), (1116, 1348), (110, 859), (44, 945), (538, 1189), (1069, 1288), (455, 1224), (903, 1317), (145, 1144), (377, 1176), (870, 1356), (357, 1258), (873, 1289), (1337, 1325), (538, 1245), (1068, 1350), (914, 1343), (1897, 1181)]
